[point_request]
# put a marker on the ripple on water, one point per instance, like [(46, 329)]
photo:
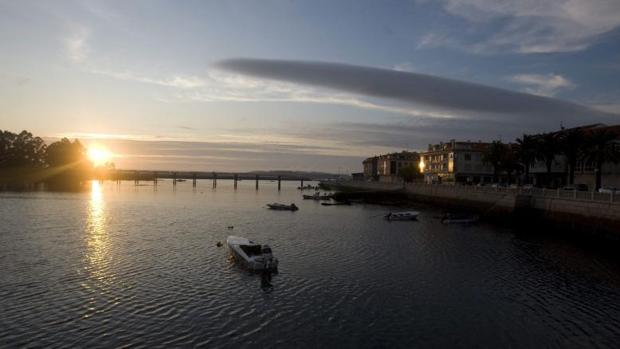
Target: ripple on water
[(140, 268)]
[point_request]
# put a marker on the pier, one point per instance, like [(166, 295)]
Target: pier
[(181, 176)]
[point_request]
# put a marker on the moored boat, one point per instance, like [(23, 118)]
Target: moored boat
[(251, 255), (317, 196), (452, 218), (282, 207), (307, 187), (341, 203), (402, 216)]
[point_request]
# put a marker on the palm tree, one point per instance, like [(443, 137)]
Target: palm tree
[(510, 162), (526, 153), (495, 155), (571, 141), (547, 147), (601, 147)]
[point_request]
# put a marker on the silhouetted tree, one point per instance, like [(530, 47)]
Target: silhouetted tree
[(526, 153), (495, 155), (600, 147), (21, 150), (65, 152), (510, 162), (410, 173), (571, 143), (547, 147)]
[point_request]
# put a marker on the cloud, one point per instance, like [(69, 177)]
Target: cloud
[(420, 92), (405, 66), (217, 86), (536, 26), (76, 47), (13, 80), (177, 81), (544, 85), (148, 153), (431, 40)]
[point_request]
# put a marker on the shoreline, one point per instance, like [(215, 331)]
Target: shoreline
[(524, 209)]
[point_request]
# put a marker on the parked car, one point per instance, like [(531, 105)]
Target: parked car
[(607, 190), (581, 187), (577, 187), (528, 186)]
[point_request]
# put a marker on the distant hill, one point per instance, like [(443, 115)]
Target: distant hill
[(305, 174)]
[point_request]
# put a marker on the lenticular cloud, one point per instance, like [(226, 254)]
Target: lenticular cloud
[(420, 90)]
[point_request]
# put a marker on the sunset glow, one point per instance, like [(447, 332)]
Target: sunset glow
[(98, 155)]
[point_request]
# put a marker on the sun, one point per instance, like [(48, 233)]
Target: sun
[(98, 155)]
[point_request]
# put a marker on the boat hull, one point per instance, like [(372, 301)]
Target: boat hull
[(255, 263), (402, 216)]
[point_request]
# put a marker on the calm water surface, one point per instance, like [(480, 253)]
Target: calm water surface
[(126, 266)]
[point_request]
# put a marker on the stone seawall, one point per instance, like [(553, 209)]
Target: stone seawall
[(597, 215)]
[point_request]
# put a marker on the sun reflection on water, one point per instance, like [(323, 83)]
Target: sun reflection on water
[(97, 257)]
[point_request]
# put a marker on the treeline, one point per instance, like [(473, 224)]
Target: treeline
[(25, 158), (590, 146)]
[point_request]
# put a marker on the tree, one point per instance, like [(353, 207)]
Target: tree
[(547, 147), (21, 150), (510, 162), (410, 173), (495, 155), (65, 152), (601, 146), (570, 142), (526, 153)]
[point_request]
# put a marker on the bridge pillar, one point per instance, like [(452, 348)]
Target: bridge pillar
[(256, 182), (279, 183)]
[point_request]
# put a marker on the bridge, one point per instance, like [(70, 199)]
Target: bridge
[(154, 176)]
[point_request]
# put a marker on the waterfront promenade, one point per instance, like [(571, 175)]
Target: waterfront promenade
[(588, 212)]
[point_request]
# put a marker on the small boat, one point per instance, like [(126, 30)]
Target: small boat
[(251, 255), (402, 216), (317, 196), (282, 207), (306, 187), (452, 218), (342, 203), (181, 180)]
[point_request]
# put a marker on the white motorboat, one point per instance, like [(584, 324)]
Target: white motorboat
[(451, 218), (251, 255), (317, 196), (402, 216), (282, 207)]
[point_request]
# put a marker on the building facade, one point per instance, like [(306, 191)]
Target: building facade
[(371, 168), (455, 162), (386, 168)]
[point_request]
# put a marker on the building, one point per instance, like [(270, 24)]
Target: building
[(585, 172), (370, 168), (455, 162), (386, 168)]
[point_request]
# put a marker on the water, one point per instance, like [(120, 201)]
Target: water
[(137, 267)]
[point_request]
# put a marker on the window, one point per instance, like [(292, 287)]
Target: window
[(467, 157)]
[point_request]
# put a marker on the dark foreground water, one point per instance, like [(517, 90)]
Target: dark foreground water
[(134, 267)]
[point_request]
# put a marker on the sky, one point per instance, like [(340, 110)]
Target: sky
[(302, 85)]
